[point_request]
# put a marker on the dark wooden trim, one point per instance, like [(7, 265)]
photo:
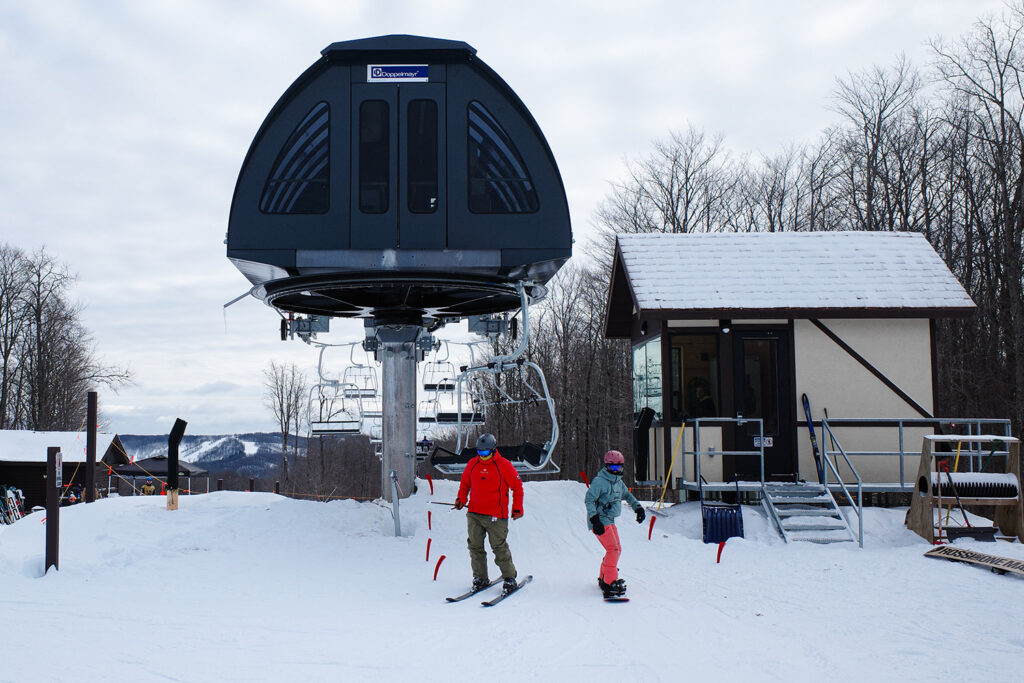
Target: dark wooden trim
[(621, 299), (871, 368), (727, 400), (791, 326), (800, 313), (666, 398), (932, 337)]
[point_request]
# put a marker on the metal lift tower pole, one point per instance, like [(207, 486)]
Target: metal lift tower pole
[(397, 352)]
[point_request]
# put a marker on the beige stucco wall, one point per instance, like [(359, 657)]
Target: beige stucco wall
[(832, 379)]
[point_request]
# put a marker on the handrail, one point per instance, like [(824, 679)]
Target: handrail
[(697, 452), (973, 426), (858, 506)]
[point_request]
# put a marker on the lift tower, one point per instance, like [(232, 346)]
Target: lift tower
[(399, 179)]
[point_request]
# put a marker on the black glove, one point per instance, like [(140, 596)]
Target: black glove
[(458, 504), (640, 515), (595, 522)]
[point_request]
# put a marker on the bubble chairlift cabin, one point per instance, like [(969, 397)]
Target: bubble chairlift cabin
[(402, 181)]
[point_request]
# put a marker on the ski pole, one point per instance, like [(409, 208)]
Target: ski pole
[(436, 502)]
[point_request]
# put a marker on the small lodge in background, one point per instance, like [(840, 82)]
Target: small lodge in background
[(23, 460), (729, 330)]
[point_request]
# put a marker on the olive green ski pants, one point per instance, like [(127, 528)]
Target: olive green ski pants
[(497, 531)]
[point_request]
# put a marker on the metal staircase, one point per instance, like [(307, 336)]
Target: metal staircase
[(805, 512)]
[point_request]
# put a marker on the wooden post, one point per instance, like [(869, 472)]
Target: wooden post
[(277, 487), (90, 449), (252, 484), (54, 477), (220, 484)]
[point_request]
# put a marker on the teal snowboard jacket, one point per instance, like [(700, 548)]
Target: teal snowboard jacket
[(605, 496)]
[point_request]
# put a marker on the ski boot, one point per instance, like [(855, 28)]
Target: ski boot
[(610, 590), (480, 583), (509, 585)]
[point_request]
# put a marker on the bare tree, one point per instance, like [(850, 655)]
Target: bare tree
[(285, 396)]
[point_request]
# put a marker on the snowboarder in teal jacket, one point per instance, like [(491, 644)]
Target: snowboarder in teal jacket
[(604, 503)]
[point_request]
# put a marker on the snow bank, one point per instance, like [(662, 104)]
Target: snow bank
[(253, 586)]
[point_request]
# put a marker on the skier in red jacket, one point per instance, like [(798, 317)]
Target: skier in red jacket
[(485, 483)]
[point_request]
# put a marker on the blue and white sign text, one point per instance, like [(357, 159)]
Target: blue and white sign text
[(397, 73)]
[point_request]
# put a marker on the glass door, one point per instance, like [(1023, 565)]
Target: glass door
[(763, 384)]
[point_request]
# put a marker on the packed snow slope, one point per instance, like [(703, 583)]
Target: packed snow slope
[(252, 586)]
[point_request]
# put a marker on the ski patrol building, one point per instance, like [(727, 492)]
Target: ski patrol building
[(730, 330)]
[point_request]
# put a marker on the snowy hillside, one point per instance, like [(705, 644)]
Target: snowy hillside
[(251, 586), (254, 454)]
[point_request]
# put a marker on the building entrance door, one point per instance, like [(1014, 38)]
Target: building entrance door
[(763, 389)]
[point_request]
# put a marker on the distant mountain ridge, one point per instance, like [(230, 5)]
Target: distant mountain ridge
[(254, 454)]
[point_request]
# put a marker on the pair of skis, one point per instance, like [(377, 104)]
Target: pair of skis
[(494, 601)]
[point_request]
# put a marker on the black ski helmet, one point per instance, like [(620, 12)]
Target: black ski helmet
[(486, 442)]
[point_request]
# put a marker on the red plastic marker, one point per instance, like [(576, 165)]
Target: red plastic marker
[(438, 566), (721, 547), (583, 476), (428, 549), (428, 520), (430, 480), (650, 530)]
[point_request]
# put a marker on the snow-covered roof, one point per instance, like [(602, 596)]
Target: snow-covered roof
[(28, 446), (713, 273)]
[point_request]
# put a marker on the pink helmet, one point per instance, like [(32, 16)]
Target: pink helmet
[(613, 458)]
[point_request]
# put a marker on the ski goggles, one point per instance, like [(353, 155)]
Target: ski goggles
[(615, 468), (483, 454)]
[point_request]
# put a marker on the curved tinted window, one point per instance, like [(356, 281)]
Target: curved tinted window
[(498, 179), (299, 181)]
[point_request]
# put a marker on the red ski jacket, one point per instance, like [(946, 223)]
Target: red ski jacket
[(486, 484)]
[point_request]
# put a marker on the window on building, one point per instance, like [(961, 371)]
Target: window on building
[(647, 377), (422, 153), (299, 181), (374, 156), (498, 179), (693, 381)]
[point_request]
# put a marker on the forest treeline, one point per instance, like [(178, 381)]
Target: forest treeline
[(47, 359), (934, 149)]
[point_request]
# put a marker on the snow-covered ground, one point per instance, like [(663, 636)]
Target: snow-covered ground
[(252, 586)]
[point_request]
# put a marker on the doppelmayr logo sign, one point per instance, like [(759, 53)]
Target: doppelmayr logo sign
[(397, 73)]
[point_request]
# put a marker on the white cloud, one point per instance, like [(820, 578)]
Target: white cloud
[(124, 125)]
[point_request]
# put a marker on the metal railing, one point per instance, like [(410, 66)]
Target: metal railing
[(697, 452), (973, 427), (857, 506)]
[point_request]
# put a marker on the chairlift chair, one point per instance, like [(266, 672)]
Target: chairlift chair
[(361, 376), (527, 458), (335, 415)]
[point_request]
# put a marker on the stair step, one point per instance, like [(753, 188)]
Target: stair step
[(783, 500), (799, 488), (811, 524), (807, 512), (820, 536)]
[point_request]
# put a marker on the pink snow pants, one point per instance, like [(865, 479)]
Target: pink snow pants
[(612, 550)]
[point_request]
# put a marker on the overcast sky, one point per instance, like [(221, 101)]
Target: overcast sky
[(123, 125)]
